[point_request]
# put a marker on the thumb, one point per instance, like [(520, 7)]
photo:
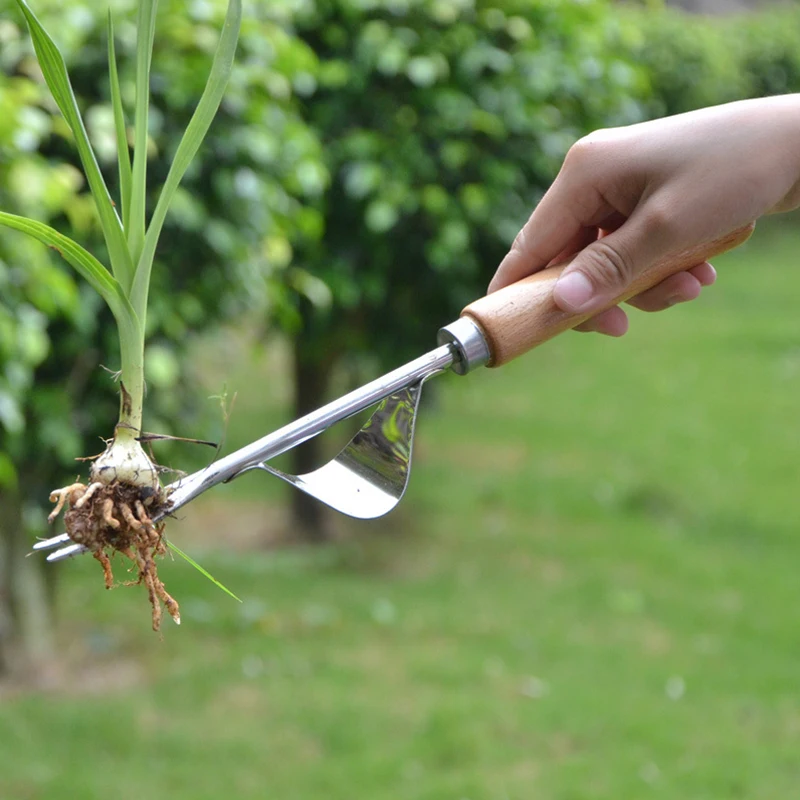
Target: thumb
[(603, 271)]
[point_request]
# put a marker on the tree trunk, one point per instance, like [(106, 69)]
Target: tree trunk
[(310, 518), (26, 620)]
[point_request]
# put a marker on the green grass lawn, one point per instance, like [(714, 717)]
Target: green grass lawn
[(591, 591)]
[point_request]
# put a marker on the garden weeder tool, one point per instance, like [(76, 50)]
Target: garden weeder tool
[(370, 475)]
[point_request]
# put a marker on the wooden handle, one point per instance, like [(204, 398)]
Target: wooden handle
[(519, 317)]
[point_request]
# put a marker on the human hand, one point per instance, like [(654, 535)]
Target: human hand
[(628, 197)]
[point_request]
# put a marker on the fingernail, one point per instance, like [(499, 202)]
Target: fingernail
[(573, 290)]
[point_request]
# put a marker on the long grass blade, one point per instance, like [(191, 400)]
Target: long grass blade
[(187, 149), (101, 280), (145, 33), (57, 78), (123, 153), (204, 572)]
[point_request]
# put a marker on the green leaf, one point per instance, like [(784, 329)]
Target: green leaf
[(201, 570), (145, 33), (123, 154), (55, 73), (187, 149), (84, 262), (131, 331)]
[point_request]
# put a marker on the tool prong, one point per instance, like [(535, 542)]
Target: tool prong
[(53, 541), (67, 552)]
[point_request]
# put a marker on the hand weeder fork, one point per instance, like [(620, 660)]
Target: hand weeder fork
[(369, 476)]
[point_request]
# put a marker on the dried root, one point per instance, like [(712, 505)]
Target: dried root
[(116, 518), (74, 492)]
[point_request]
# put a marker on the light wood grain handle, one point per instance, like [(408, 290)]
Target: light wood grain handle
[(519, 317)]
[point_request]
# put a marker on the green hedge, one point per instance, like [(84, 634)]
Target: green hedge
[(770, 52), (695, 61), (443, 122)]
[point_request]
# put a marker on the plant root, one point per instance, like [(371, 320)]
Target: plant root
[(117, 518)]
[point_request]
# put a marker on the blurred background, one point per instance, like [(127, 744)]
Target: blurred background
[(590, 590)]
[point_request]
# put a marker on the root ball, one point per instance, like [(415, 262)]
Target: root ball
[(117, 518)]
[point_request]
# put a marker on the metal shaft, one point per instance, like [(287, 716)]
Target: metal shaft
[(293, 434), (463, 346)]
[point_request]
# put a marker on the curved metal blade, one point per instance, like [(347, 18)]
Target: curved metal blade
[(370, 475)]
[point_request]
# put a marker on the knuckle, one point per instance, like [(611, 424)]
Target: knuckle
[(613, 266), (589, 147), (578, 154), (659, 221)]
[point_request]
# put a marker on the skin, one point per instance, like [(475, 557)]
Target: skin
[(627, 197)]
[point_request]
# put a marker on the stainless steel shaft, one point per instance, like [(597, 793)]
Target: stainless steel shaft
[(293, 434), (369, 476)]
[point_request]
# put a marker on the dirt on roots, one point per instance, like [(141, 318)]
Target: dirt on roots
[(117, 517)]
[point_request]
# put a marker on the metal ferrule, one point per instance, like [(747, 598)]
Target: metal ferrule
[(470, 343)]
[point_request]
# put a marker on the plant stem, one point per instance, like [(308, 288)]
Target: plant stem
[(132, 386), (124, 460)]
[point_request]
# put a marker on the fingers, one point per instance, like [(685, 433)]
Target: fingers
[(612, 322), (603, 271), (680, 288), (566, 220), (535, 247), (583, 238)]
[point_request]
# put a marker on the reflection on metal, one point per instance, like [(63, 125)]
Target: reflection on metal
[(470, 343), (256, 454), (370, 475)]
